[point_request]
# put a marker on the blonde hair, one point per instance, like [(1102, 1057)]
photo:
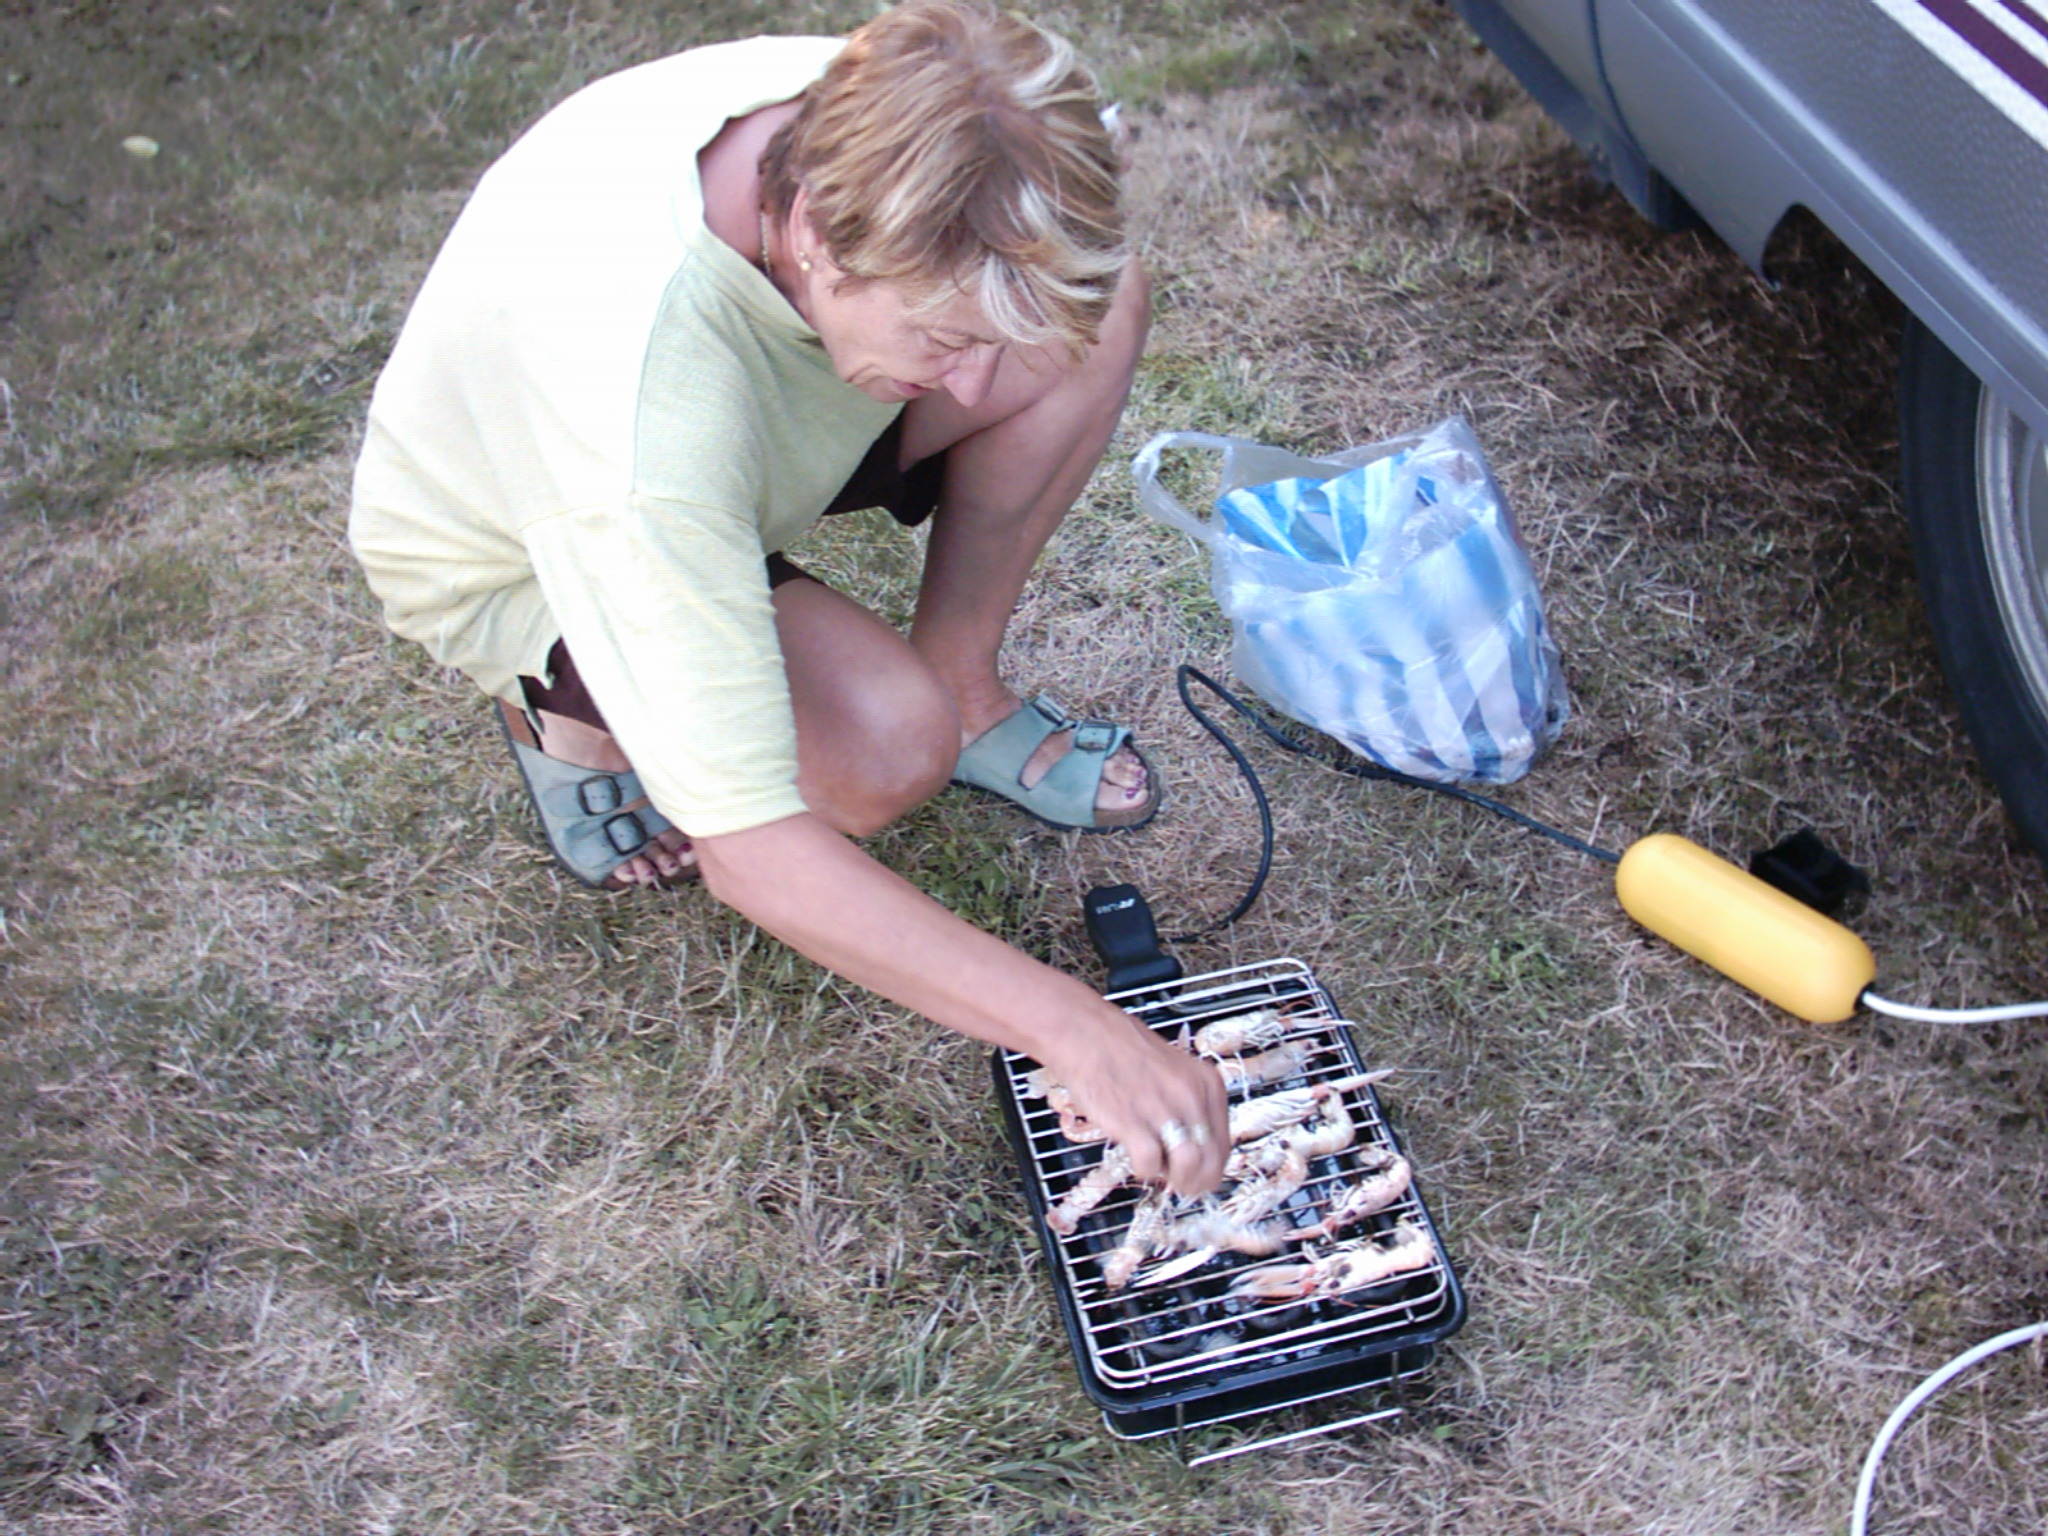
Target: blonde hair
[(954, 148)]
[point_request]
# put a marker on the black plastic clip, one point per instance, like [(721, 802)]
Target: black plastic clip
[(1121, 928), (1808, 870)]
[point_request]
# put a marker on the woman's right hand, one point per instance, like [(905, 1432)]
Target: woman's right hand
[(1164, 1105), (818, 891)]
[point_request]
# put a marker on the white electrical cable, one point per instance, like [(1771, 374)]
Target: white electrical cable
[(1859, 1521), (1954, 1015)]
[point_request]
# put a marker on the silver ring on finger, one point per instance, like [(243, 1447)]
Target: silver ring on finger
[(1199, 1135), (1171, 1134)]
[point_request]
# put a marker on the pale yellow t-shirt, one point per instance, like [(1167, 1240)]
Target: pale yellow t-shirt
[(596, 422)]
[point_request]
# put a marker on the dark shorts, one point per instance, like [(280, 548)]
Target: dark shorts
[(909, 495)]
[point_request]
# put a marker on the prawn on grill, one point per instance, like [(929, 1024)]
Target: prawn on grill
[(1210, 1233), (1253, 1159), (1200, 1237), (1266, 1191), (1114, 1170), (1059, 1098), (1250, 1120), (1289, 1059), (1349, 1266), (1266, 1176), (1141, 1237), (1207, 1232), (1239, 1033), (1242, 1223), (1376, 1187), (1272, 1112), (1329, 1131), (1090, 1190)]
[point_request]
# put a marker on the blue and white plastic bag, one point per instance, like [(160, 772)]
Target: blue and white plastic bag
[(1382, 596)]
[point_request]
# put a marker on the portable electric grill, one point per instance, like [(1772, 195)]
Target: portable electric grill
[(1166, 1355)]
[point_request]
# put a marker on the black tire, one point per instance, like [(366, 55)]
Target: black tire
[(1976, 486)]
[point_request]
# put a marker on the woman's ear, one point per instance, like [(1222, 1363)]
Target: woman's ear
[(803, 239)]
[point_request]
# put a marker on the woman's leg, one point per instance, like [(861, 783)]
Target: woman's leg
[(876, 731), (1015, 462)]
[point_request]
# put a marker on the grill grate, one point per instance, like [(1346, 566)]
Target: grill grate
[(1182, 1341)]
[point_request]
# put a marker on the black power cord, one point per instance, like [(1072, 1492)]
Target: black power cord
[(1120, 922), (1359, 768)]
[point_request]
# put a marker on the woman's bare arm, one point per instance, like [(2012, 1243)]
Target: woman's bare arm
[(818, 892)]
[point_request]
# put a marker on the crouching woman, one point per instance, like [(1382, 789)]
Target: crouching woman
[(698, 306)]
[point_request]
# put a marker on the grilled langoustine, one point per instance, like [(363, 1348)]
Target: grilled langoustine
[(1241, 1032), (1290, 1107), (1379, 1185), (1090, 1190), (1348, 1266), (1148, 1225)]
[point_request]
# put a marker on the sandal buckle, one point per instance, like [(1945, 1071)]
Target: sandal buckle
[(625, 833), (1093, 735), (599, 796)]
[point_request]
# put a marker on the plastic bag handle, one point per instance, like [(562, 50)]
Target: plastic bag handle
[(1156, 498)]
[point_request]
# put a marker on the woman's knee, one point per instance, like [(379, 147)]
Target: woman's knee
[(1129, 320), (896, 748), (1068, 394), (1103, 376), (876, 731)]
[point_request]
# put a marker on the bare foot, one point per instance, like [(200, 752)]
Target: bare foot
[(664, 860)]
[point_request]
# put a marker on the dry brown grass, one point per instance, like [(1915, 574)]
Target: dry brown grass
[(360, 1175)]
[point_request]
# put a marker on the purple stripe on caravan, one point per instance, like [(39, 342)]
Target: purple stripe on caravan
[(2028, 14), (2018, 65)]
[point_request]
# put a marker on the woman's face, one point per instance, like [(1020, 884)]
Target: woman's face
[(894, 353), (891, 352)]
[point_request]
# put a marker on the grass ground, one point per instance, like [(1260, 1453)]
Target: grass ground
[(358, 1174)]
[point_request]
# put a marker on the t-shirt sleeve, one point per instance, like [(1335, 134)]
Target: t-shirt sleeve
[(666, 608)]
